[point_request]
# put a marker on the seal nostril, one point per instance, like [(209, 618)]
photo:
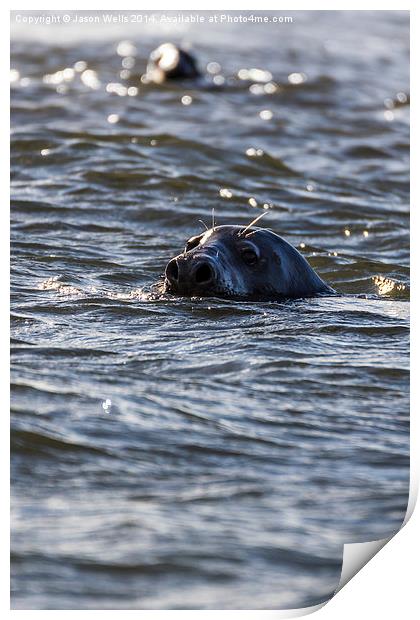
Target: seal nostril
[(172, 270), (203, 274)]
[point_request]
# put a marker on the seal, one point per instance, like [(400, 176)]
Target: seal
[(169, 62), (242, 263)]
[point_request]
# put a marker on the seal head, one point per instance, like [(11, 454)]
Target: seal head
[(242, 263), (169, 62)]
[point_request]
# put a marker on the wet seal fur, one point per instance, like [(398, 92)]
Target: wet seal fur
[(242, 263)]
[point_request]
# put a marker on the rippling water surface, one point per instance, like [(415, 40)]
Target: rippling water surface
[(204, 453)]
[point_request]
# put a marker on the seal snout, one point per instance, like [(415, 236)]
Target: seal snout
[(203, 273), (172, 271), (188, 275)]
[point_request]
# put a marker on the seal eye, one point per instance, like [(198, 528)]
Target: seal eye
[(249, 256), (192, 243)]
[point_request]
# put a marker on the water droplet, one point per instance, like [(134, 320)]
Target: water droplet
[(126, 48), (213, 67), (366, 233), (128, 62), (80, 66), (225, 193), (388, 115), (45, 152), (116, 88), (186, 100), (347, 232), (297, 78), (270, 88), (266, 115), (107, 404), (218, 80), (255, 75), (253, 202), (113, 118), (68, 74), (302, 245), (256, 89), (90, 79)]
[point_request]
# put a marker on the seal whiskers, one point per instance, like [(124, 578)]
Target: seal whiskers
[(242, 233)]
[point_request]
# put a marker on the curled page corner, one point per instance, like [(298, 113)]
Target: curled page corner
[(357, 555), (299, 612)]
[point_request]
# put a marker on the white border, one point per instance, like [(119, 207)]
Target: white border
[(387, 586)]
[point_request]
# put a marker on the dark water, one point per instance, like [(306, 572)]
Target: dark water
[(201, 453)]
